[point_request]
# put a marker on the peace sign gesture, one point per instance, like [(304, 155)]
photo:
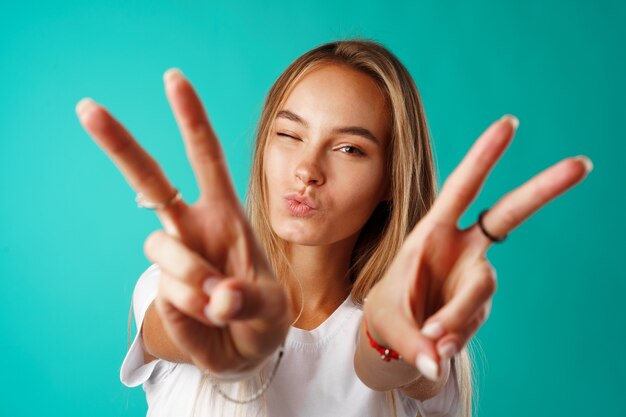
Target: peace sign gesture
[(438, 291), (218, 299)]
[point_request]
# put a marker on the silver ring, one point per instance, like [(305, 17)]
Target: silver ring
[(141, 203)]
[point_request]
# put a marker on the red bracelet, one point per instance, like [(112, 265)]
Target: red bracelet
[(386, 354)]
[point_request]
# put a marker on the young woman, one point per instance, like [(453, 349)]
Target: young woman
[(346, 290)]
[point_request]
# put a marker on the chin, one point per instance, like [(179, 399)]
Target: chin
[(310, 234), (298, 234)]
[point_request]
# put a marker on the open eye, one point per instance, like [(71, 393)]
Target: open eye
[(352, 150)]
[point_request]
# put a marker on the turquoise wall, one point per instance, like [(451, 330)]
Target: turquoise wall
[(71, 236)]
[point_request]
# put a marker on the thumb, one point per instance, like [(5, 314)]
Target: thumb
[(241, 299)]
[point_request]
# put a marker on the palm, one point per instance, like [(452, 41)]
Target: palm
[(212, 233), (450, 252), (441, 259)]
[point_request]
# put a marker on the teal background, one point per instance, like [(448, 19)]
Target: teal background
[(71, 236)]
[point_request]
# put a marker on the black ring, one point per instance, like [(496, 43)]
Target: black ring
[(489, 235)]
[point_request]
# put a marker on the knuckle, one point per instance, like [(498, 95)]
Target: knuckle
[(207, 154), (489, 271), (203, 139), (118, 148), (160, 304), (164, 287), (149, 177), (458, 190), (190, 302), (481, 317), (539, 191), (191, 270), (488, 308), (181, 296), (198, 129), (487, 284), (488, 277), (152, 242)]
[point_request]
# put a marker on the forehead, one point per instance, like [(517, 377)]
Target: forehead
[(334, 95)]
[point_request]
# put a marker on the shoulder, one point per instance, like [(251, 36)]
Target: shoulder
[(147, 284)]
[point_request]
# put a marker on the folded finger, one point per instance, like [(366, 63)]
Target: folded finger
[(187, 299), (242, 299), (178, 260), (450, 344), (479, 286)]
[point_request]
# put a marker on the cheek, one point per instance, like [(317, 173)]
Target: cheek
[(359, 192), (276, 168)]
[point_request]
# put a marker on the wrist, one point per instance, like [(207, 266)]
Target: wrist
[(378, 374), (243, 372), (386, 353)]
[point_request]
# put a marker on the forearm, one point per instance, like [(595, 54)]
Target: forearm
[(380, 375), (157, 342)]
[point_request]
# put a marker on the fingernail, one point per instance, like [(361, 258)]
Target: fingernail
[(172, 73), (427, 367), (224, 303), (447, 351), (511, 119), (83, 105), (433, 330), (586, 161), (209, 284), (215, 320)]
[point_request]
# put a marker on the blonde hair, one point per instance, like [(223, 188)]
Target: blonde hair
[(410, 168)]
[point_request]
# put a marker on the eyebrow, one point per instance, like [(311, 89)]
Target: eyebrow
[(347, 130)]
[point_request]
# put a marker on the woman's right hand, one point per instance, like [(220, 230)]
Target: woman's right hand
[(218, 298)]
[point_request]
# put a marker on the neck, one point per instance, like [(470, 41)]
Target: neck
[(322, 272)]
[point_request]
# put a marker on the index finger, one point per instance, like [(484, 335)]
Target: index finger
[(462, 186), (140, 170)]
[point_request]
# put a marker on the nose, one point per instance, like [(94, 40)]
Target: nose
[(308, 169)]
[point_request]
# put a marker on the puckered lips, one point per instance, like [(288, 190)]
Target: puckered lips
[(300, 205)]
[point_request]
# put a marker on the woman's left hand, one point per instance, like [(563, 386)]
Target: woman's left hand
[(438, 290)]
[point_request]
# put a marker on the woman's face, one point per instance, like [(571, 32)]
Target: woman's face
[(327, 146)]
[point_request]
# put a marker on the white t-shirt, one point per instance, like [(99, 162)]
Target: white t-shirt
[(316, 377)]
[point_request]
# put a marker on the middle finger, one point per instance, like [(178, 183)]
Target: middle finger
[(203, 148)]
